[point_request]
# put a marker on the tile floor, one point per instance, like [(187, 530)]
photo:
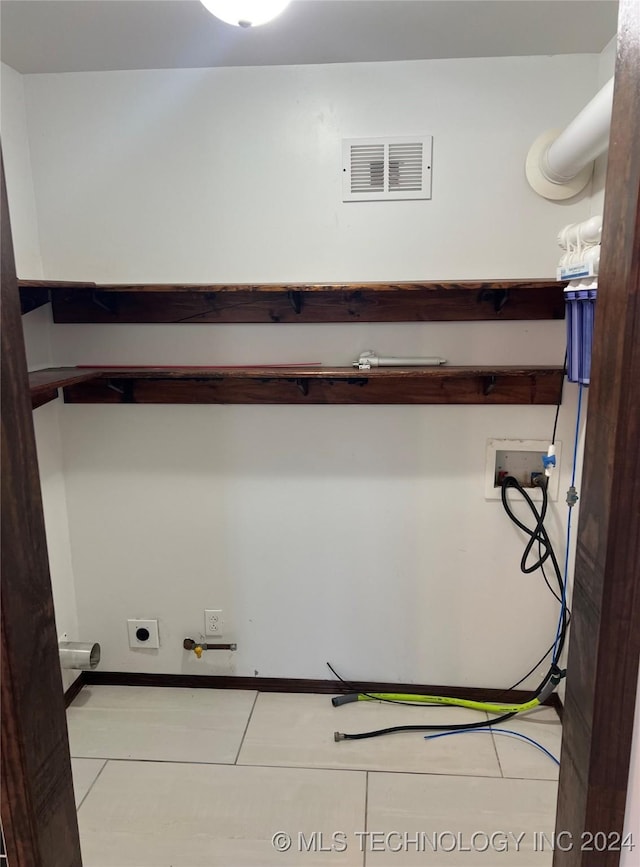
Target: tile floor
[(206, 778)]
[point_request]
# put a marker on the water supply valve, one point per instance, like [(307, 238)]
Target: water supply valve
[(199, 647), (549, 460)]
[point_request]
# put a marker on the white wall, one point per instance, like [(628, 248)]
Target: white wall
[(235, 174), (17, 161), (356, 534), (629, 857), (54, 501)]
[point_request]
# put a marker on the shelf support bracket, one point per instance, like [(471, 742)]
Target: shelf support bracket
[(295, 299), (489, 385), (105, 301), (497, 297), (123, 387)]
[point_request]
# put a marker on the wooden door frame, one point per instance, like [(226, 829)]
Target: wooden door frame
[(38, 806), (602, 670)]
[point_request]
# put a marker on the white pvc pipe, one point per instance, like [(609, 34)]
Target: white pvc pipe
[(559, 164), (370, 359), (584, 139), (411, 361)]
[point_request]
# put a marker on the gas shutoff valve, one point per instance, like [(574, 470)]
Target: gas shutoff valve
[(199, 647)]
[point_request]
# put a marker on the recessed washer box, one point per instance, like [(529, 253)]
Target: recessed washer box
[(143, 634), (521, 459)]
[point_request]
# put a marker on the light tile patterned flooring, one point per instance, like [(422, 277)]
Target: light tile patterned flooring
[(206, 778)]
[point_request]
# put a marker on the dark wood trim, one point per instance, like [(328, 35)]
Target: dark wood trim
[(605, 635), (75, 689), (314, 385), (558, 704), (33, 297), (285, 288), (300, 302), (43, 397), (57, 377), (38, 809), (44, 384), (294, 685), (301, 685)]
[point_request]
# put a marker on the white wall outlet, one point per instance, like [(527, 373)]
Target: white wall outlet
[(521, 459), (143, 634), (213, 624)]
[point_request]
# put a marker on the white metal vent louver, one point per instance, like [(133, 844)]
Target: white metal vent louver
[(374, 169)]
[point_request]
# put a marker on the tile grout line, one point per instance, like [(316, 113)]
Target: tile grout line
[(246, 728), (88, 792), (495, 745), (315, 768), (495, 748)]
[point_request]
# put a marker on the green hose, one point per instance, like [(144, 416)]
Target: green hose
[(488, 707)]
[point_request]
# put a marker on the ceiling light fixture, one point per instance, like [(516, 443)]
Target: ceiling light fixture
[(245, 13)]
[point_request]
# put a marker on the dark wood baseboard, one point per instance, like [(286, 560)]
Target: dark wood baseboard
[(556, 702), (302, 685), (74, 689)]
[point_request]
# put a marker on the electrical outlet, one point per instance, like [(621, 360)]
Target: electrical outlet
[(143, 634), (213, 624)]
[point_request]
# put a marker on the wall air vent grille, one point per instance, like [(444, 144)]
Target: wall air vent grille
[(376, 169)]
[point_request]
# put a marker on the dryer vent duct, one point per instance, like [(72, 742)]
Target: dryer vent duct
[(84, 656), (560, 163)]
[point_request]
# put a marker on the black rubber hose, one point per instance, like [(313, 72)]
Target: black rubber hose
[(338, 736), (337, 700), (538, 534), (453, 727)]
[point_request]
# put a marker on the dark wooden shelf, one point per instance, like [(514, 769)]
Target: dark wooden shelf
[(44, 384), (301, 385), (296, 302)]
